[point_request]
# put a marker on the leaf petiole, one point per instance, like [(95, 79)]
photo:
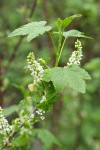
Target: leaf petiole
[(55, 49), (61, 49)]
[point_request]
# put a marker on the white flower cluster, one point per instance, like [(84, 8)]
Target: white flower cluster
[(76, 55), (36, 69), (41, 113), (5, 128)]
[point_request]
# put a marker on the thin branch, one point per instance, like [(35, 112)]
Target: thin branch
[(13, 55), (46, 15), (33, 8), (10, 138)]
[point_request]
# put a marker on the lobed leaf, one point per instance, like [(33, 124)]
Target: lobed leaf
[(32, 30), (73, 77)]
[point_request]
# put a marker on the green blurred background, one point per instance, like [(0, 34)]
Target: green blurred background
[(75, 118)]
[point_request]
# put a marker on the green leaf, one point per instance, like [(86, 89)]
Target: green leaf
[(74, 33), (64, 23), (21, 140), (73, 77), (32, 29), (36, 96), (50, 97), (47, 75), (47, 138)]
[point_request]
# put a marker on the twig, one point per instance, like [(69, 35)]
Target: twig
[(49, 40), (33, 8), (10, 138), (13, 55)]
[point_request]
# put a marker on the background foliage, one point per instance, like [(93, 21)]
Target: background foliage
[(75, 118)]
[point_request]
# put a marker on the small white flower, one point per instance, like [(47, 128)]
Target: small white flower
[(42, 117), (76, 55), (32, 116), (40, 112)]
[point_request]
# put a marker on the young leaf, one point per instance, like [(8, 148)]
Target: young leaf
[(64, 23), (32, 29), (74, 33), (73, 77)]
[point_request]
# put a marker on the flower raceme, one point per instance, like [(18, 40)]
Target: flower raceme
[(5, 128), (76, 55), (36, 70)]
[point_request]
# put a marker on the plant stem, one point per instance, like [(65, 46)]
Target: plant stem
[(55, 49), (46, 66), (58, 51), (61, 49)]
